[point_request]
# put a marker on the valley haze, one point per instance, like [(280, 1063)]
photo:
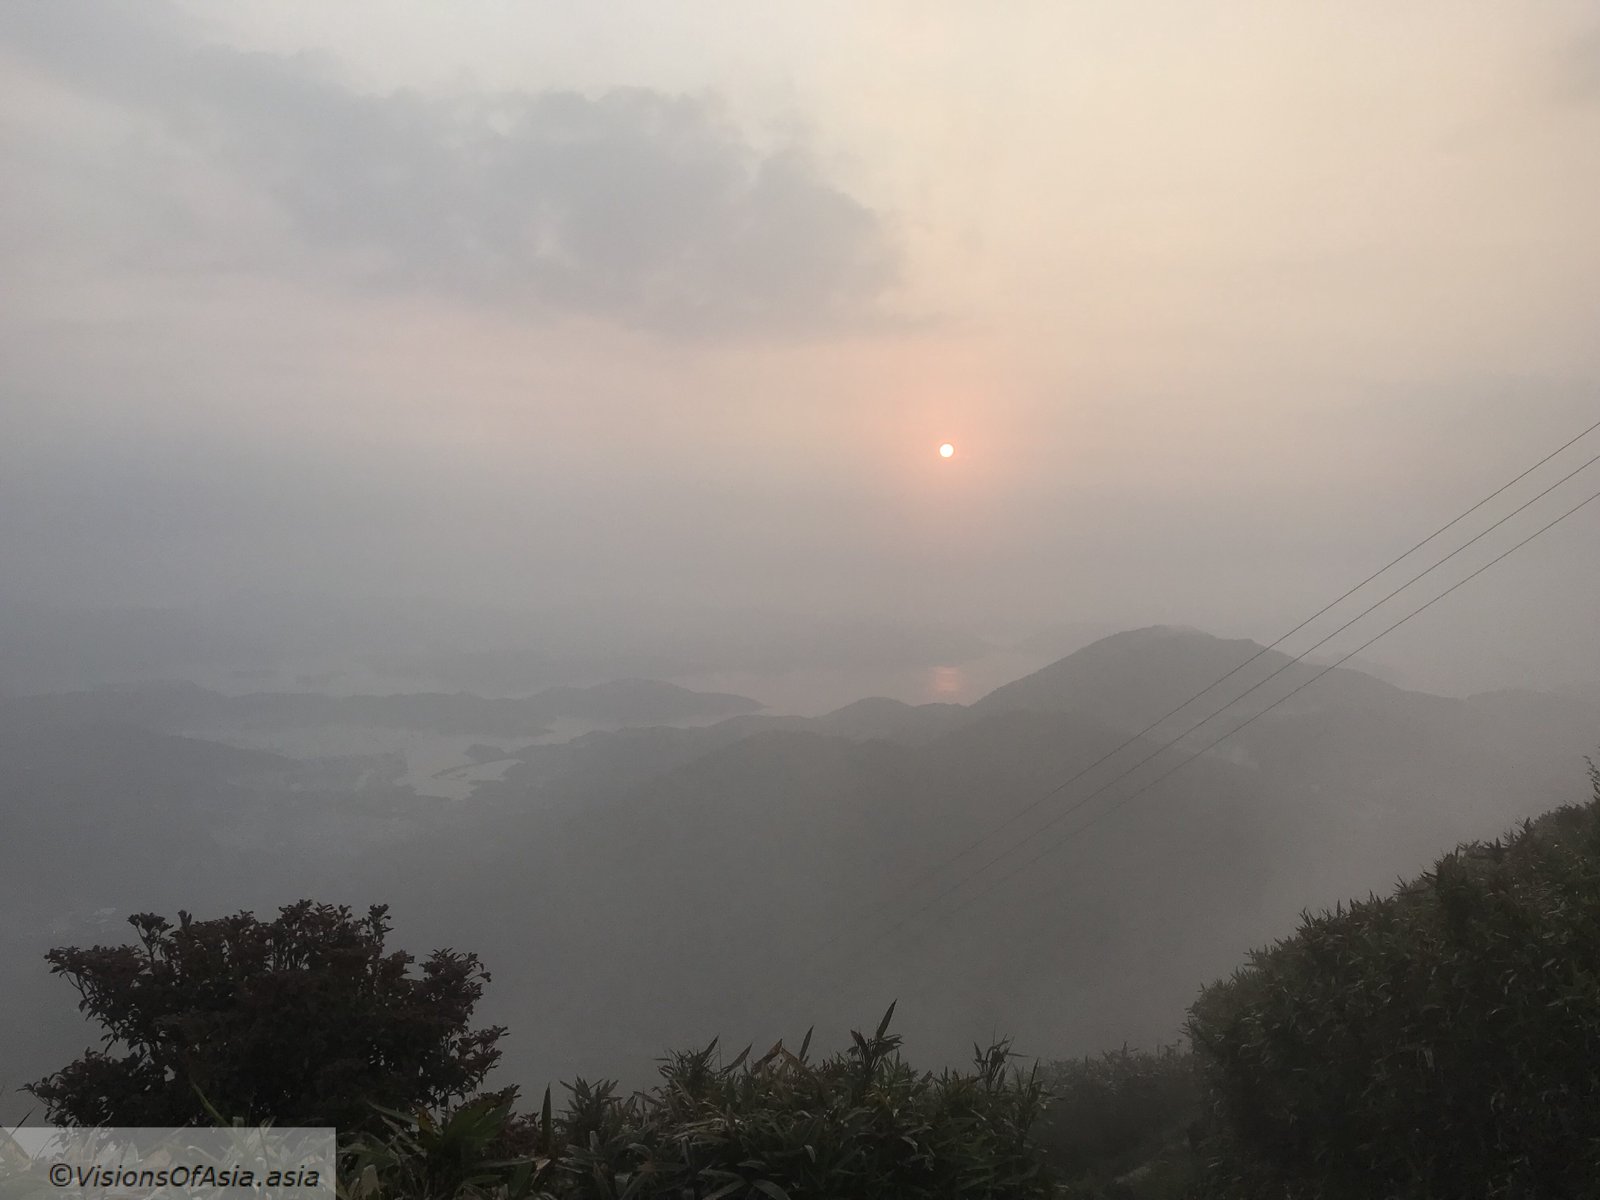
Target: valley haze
[(814, 823)]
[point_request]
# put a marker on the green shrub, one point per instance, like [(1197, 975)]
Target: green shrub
[(469, 1153), (1442, 1042), (300, 1020), (859, 1124)]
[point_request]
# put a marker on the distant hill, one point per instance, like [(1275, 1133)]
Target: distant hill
[(109, 751), (604, 762), (763, 836), (189, 708), (94, 809), (656, 885), (1572, 715), (1130, 679), (892, 720), (635, 702)]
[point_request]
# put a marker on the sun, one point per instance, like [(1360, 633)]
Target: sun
[(947, 450)]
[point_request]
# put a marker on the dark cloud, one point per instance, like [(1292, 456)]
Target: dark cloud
[(652, 210)]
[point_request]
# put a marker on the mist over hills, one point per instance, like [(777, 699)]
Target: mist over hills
[(183, 706), (263, 642), (1341, 789), (651, 885), (1133, 678)]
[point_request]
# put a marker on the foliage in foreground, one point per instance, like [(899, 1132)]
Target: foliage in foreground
[(861, 1123), (1438, 1043), (301, 1020), (469, 1153)]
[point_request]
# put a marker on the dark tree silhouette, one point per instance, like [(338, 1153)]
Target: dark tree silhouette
[(305, 1020)]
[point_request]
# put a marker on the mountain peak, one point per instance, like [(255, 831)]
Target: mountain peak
[(1132, 679)]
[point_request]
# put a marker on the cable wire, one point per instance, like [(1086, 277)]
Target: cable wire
[(1007, 875), (1079, 830), (1076, 806), (938, 867), (1073, 833)]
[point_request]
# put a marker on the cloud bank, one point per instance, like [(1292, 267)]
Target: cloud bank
[(651, 210)]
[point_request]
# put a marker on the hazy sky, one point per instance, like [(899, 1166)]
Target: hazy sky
[(1222, 306)]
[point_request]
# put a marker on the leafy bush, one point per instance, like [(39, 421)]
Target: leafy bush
[(1438, 1043), (467, 1154), (301, 1020), (862, 1123), (1118, 1125)]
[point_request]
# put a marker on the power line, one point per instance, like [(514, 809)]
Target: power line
[(1033, 805), (1167, 745), (1076, 806), (1079, 830), (1073, 833), (958, 884)]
